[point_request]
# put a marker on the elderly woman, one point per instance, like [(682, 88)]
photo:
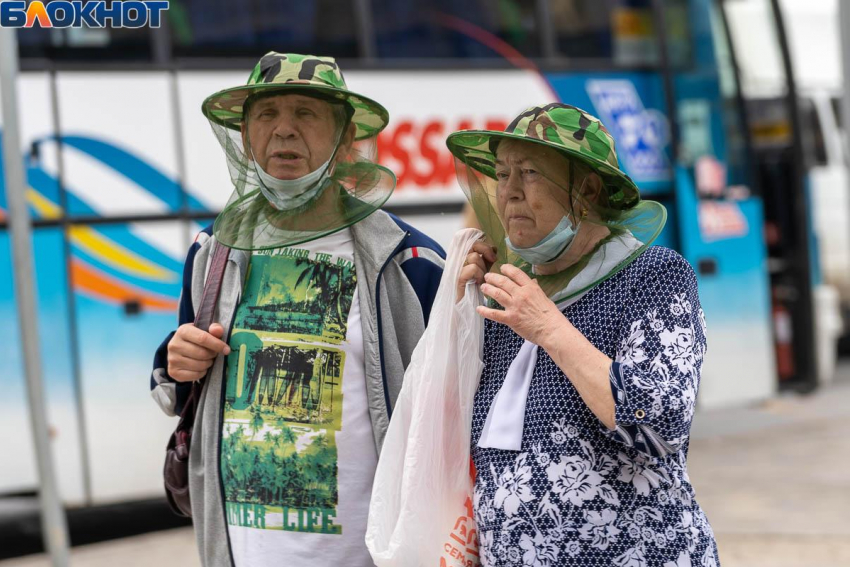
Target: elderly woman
[(592, 353)]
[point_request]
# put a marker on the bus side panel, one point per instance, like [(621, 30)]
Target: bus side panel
[(36, 122), (120, 158), (19, 472), (723, 240), (121, 319)]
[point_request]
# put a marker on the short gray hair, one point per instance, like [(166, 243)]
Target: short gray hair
[(340, 113)]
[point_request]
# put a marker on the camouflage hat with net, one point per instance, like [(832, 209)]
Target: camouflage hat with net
[(573, 175), (568, 129), (347, 188), (305, 74)]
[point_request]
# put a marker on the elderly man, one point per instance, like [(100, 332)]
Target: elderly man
[(323, 299)]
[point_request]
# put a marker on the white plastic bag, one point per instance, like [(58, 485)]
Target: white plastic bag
[(421, 509)]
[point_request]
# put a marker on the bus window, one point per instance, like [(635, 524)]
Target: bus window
[(838, 111), (619, 32), (222, 28), (738, 155), (86, 44), (448, 29), (583, 28), (814, 146)]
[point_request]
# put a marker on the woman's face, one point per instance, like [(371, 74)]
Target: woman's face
[(530, 205)]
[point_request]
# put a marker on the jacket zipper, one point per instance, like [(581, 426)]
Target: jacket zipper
[(380, 330)]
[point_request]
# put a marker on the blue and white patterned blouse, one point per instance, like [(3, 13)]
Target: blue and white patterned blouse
[(577, 494)]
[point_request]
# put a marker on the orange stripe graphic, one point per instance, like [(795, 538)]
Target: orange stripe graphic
[(90, 281)]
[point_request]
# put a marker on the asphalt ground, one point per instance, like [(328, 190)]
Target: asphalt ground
[(773, 479)]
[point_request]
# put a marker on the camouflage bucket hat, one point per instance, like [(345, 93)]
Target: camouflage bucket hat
[(293, 73), (570, 130)]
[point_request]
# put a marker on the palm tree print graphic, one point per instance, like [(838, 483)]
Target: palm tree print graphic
[(283, 391), (311, 299)]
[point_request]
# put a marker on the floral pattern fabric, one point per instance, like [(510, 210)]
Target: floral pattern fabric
[(577, 493)]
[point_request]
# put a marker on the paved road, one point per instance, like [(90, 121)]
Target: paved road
[(774, 481)]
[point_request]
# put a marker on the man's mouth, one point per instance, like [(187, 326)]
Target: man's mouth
[(287, 156)]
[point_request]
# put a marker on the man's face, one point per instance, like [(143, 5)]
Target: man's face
[(290, 135)]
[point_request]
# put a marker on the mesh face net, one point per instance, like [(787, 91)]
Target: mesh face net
[(534, 187), (356, 187)]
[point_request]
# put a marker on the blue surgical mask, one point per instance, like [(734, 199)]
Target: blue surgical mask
[(550, 247)]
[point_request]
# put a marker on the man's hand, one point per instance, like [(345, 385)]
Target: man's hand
[(192, 351), (478, 262)]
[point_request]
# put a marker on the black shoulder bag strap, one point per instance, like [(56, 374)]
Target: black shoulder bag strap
[(176, 470)]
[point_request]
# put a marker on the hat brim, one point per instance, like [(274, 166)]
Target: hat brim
[(472, 147), (225, 107)]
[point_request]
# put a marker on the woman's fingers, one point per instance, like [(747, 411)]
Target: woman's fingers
[(496, 315), (486, 251), (502, 282), (515, 274), (500, 295), (471, 272), (473, 258), (478, 262)]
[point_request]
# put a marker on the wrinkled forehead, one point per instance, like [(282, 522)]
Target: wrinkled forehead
[(287, 100), (513, 152)]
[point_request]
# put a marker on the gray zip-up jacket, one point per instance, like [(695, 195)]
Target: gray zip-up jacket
[(398, 273)]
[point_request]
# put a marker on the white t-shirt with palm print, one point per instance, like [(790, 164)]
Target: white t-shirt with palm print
[(297, 452)]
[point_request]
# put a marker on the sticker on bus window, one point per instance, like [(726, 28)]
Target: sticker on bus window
[(641, 134)]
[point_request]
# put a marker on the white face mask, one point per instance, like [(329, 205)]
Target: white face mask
[(288, 194)]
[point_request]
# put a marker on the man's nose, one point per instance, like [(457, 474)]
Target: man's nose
[(285, 127)]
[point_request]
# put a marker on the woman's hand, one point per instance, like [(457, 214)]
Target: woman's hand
[(528, 311), (534, 317), (478, 262)]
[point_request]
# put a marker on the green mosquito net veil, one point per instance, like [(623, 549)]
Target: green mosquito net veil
[(355, 188)]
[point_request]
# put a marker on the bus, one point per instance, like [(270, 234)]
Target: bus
[(123, 171)]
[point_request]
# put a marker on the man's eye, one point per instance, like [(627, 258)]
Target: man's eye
[(502, 175), (306, 112), (528, 172)]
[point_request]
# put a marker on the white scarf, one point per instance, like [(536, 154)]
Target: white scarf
[(504, 424)]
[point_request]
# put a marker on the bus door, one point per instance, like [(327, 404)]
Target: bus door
[(760, 49), (718, 212)]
